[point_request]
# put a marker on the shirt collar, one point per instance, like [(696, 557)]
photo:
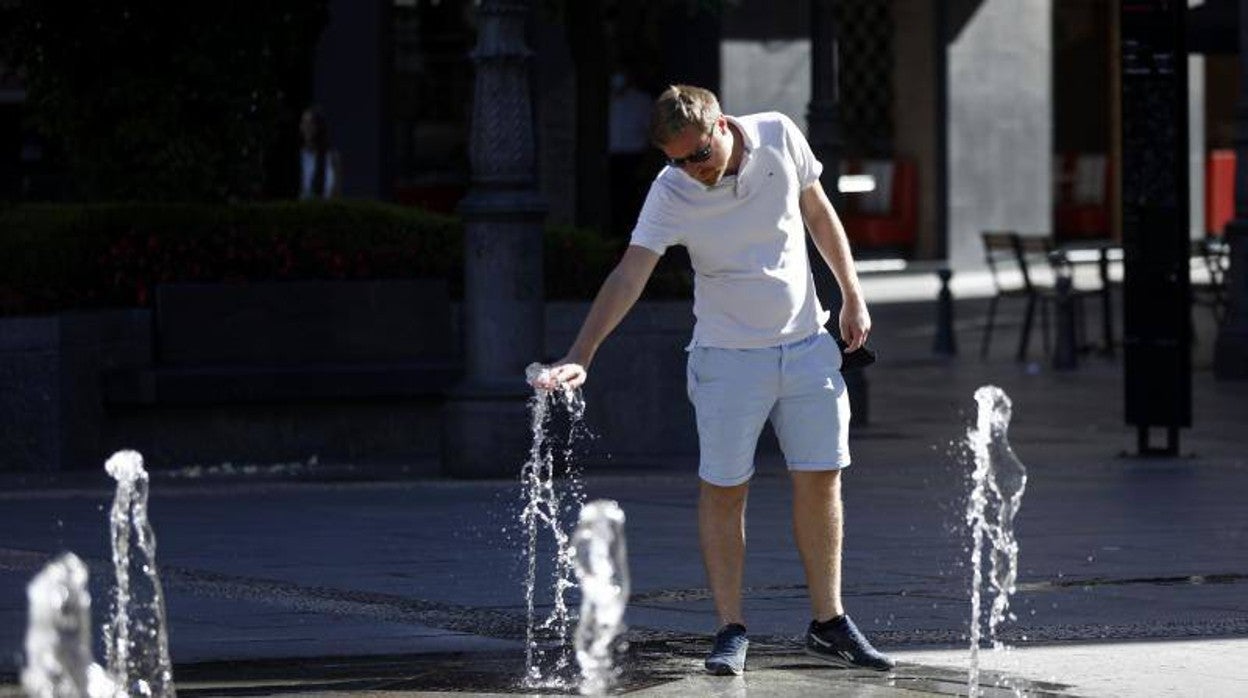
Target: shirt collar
[(748, 129)]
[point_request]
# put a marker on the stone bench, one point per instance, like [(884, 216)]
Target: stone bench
[(293, 341)]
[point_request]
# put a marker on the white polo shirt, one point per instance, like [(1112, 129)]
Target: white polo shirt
[(746, 239)]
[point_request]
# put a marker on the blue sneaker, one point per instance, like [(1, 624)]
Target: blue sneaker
[(839, 642), (728, 656)]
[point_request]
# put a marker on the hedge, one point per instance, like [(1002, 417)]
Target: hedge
[(63, 257)]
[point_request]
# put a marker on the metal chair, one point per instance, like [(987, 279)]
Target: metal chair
[(1010, 258)]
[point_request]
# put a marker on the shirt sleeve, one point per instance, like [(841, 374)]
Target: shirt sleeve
[(657, 228), (808, 166)]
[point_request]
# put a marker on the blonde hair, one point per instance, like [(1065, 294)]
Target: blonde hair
[(680, 106)]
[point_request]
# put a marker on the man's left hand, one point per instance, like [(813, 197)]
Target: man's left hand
[(855, 324)]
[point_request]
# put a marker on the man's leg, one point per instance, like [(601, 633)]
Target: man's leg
[(811, 419), (733, 392), (721, 528), (817, 527)]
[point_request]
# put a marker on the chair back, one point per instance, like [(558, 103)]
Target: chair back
[(1006, 251), (1037, 250)]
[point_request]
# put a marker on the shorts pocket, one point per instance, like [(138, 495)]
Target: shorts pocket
[(832, 350)]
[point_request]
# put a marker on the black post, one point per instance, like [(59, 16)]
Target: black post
[(1157, 353), (1107, 306), (945, 342), (1230, 358), (1065, 353)]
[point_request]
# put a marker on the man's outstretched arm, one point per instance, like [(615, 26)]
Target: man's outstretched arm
[(829, 236), (616, 297)]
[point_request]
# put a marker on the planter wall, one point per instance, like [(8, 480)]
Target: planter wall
[(51, 415)]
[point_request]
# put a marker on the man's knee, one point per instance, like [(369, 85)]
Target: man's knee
[(724, 497), (816, 478)]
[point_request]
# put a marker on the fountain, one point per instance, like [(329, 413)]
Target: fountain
[(601, 556), (544, 509), (58, 637), (998, 482), (136, 638)]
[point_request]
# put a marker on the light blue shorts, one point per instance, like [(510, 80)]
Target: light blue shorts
[(797, 386)]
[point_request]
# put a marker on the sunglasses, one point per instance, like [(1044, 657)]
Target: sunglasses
[(700, 155)]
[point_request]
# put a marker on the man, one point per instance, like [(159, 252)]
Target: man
[(735, 193)]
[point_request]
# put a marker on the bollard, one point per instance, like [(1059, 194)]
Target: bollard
[(945, 343), (1065, 354)]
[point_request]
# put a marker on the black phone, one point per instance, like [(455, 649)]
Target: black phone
[(854, 360)]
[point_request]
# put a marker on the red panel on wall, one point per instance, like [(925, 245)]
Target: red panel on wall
[(1219, 190)]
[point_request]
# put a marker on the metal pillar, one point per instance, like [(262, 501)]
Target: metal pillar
[(486, 430), (824, 115), (1157, 359), (1230, 357)]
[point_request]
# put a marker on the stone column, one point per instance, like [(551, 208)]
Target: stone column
[(1196, 140), (1000, 123), (486, 430), (1230, 354)]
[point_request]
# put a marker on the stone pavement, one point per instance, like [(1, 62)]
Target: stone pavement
[(325, 579)]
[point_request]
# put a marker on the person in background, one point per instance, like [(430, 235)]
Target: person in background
[(628, 144), (320, 168)]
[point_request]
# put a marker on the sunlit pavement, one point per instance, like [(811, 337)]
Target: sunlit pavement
[(1143, 668)]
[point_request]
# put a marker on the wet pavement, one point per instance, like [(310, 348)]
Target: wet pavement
[(672, 668), (326, 580)]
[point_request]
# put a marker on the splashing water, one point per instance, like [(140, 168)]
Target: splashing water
[(601, 555), (136, 638), (998, 483), (544, 509), (58, 637)]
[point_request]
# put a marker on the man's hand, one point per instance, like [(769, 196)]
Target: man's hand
[(828, 233), (855, 324), (563, 374)]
